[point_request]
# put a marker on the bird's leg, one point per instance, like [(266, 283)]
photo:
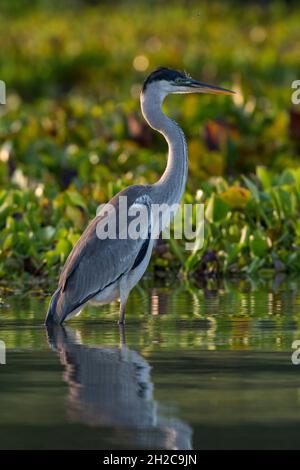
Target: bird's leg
[(122, 312), (122, 335), (124, 292)]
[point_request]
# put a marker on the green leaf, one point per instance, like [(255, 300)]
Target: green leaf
[(47, 233), (232, 252), (63, 248), (287, 177), (177, 250), (252, 188), (282, 202), (258, 245), (75, 199), (8, 242), (216, 209), (264, 176)]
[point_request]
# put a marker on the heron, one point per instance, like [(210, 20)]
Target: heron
[(100, 270)]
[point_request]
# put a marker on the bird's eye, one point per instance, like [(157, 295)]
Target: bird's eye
[(178, 80)]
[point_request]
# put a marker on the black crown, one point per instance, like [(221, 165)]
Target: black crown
[(163, 73)]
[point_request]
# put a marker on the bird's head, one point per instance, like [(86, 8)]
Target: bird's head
[(166, 81)]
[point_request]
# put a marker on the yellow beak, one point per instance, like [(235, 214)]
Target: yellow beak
[(205, 88)]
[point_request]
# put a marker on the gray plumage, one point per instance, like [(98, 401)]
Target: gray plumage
[(102, 270), (94, 264)]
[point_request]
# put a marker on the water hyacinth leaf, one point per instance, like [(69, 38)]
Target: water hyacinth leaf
[(293, 261), (177, 250), (5, 209), (287, 177), (282, 202), (297, 229), (3, 195), (296, 175), (265, 176), (8, 242), (19, 198), (63, 248), (76, 215), (73, 238), (254, 265), (216, 209), (10, 224), (75, 199), (22, 243), (194, 257), (52, 257), (258, 244), (232, 251), (47, 233), (252, 188)]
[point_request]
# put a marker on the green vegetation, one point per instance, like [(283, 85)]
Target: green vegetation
[(71, 134)]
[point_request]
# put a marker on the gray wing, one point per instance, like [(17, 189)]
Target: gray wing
[(96, 263)]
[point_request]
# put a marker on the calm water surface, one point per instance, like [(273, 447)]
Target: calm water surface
[(195, 368)]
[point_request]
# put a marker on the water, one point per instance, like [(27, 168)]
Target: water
[(196, 368)]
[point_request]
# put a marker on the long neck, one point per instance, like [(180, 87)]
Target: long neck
[(170, 187)]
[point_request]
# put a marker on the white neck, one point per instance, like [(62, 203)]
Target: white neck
[(170, 187)]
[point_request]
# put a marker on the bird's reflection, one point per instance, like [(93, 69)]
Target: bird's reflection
[(111, 386)]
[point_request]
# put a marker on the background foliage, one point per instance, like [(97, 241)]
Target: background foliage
[(72, 135)]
